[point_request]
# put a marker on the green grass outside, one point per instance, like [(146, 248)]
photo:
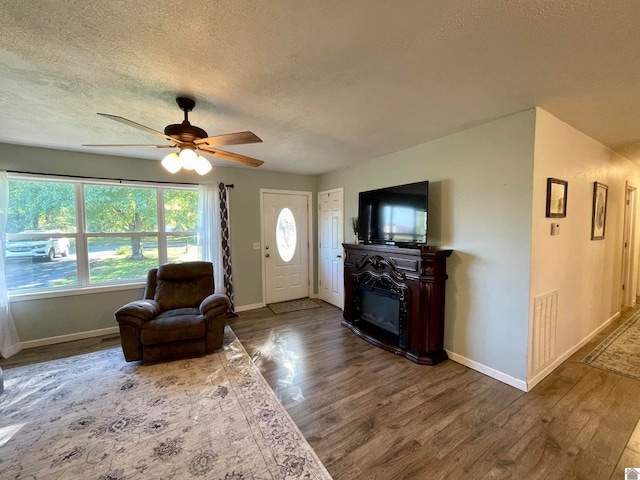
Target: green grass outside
[(127, 268), (65, 282), (119, 266), (124, 241), (123, 267)]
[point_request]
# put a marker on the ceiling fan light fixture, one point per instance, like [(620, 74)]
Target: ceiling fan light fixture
[(203, 166), (188, 158), (172, 163)]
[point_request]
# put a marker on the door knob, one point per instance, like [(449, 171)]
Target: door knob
[(339, 256)]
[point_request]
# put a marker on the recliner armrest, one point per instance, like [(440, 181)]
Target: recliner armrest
[(215, 304), (138, 312)]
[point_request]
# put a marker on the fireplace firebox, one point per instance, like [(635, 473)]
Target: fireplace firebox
[(394, 299), (381, 306)]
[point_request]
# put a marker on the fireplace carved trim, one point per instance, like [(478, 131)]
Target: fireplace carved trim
[(378, 263), (417, 276)]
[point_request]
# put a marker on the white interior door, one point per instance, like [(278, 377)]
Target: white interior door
[(331, 236), (628, 287), (285, 245)]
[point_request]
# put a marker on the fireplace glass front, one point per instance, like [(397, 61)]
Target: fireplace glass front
[(380, 308)]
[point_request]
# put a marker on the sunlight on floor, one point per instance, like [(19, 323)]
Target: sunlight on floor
[(275, 350), (6, 433)]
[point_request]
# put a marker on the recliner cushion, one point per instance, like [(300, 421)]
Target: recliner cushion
[(183, 285), (172, 325)]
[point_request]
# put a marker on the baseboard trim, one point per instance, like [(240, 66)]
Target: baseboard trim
[(490, 372), (70, 337), (100, 332), (538, 377), (254, 306)]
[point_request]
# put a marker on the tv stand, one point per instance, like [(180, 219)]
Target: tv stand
[(415, 276)]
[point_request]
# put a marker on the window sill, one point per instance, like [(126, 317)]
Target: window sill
[(22, 297)]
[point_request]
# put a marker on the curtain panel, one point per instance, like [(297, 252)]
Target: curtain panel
[(209, 231), (9, 340), (226, 244)]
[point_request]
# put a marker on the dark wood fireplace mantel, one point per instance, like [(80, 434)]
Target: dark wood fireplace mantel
[(419, 274)]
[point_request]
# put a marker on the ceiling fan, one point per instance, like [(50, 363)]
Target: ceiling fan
[(190, 139)]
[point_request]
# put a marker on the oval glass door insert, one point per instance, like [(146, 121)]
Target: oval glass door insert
[(286, 234)]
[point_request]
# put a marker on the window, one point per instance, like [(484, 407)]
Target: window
[(180, 225), (66, 234), (286, 234)]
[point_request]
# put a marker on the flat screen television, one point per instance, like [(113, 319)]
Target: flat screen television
[(394, 215)]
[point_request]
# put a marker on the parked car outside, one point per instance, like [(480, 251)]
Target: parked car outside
[(38, 247)]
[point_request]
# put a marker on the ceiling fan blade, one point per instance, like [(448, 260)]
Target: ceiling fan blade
[(238, 138), (232, 157), (139, 127), (129, 145)]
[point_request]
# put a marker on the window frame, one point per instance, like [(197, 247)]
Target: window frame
[(81, 235)]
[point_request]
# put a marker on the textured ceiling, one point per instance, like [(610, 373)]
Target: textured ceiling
[(326, 83)]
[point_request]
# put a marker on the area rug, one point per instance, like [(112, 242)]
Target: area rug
[(96, 416), (620, 351), (292, 306)]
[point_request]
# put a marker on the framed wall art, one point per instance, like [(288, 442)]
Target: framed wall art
[(599, 215), (556, 198)]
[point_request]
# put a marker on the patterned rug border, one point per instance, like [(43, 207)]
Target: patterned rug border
[(262, 424), (607, 342), (274, 397), (292, 306)]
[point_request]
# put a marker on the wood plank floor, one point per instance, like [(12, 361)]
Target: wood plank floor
[(372, 415)]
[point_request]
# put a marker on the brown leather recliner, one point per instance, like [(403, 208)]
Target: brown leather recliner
[(180, 315)]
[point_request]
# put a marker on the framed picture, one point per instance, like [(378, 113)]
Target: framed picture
[(599, 216), (556, 198)]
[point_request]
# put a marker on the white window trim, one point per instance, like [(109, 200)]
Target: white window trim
[(81, 236)]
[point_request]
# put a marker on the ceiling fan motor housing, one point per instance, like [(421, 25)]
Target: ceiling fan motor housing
[(185, 132)]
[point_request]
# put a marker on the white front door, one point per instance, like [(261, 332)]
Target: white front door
[(330, 234), (285, 246)]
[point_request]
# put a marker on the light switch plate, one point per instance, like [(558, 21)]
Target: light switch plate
[(256, 245)]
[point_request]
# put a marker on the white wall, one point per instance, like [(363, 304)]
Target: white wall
[(480, 206), (586, 273)]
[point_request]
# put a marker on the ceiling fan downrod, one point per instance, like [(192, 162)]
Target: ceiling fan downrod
[(186, 104)]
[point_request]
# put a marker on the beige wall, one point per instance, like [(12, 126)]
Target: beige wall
[(479, 206), (586, 273), (45, 318)]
